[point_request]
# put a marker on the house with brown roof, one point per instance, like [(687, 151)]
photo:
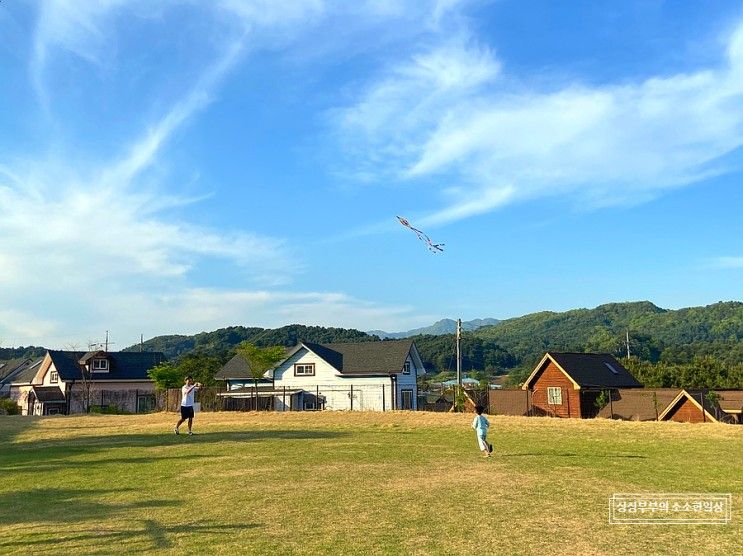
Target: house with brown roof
[(64, 382), (569, 384), (703, 405), (374, 376)]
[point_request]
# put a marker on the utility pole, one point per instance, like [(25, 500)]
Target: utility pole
[(459, 361), (141, 343), (628, 343), (106, 341)]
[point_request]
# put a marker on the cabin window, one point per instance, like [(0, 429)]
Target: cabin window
[(100, 365), (406, 368), (310, 406), (407, 399), (54, 377), (554, 395), (304, 369)]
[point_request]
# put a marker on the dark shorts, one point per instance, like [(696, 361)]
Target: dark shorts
[(186, 412)]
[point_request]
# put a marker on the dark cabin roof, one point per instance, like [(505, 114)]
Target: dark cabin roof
[(123, 365), (594, 370), (364, 358)]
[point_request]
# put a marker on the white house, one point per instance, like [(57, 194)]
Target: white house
[(372, 376)]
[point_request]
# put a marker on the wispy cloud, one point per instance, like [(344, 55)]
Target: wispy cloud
[(454, 114), (727, 262), (89, 240)]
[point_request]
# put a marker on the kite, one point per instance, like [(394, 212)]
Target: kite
[(423, 237)]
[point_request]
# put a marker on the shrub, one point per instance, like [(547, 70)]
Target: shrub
[(9, 407)]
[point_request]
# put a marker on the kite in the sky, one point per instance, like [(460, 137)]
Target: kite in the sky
[(423, 237)]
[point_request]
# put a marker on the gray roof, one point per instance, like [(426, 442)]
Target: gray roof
[(595, 370), (8, 367), (237, 367), (26, 372), (364, 358)]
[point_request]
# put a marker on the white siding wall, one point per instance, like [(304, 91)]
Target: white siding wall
[(336, 389)]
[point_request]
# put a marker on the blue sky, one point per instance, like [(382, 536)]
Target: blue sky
[(173, 167)]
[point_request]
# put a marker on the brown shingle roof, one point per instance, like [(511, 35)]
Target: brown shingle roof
[(730, 400)]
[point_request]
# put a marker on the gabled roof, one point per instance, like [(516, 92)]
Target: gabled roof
[(26, 372), (91, 354), (588, 370), (237, 367), (362, 358), (697, 398), (123, 365), (365, 358), (10, 366)]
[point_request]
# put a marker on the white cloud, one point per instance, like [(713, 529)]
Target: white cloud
[(456, 116)]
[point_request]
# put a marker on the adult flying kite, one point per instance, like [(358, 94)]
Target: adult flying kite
[(423, 237)]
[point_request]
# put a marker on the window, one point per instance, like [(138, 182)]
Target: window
[(406, 368), (611, 368), (554, 395), (407, 399), (304, 369), (100, 365), (54, 377), (309, 406), (146, 404)]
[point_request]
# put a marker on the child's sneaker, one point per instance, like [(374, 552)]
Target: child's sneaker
[(176, 431), (190, 433)]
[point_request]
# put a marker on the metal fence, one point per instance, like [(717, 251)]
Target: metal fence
[(375, 397)]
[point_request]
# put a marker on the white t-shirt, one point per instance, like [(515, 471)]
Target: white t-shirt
[(187, 393)]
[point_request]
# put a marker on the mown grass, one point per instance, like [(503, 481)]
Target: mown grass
[(354, 483)]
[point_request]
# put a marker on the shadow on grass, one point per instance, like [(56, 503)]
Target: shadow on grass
[(146, 534), (570, 455), (55, 505), (49, 450), (64, 463)]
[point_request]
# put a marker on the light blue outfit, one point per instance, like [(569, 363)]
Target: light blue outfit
[(481, 426)]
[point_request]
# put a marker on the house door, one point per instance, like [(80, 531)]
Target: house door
[(407, 399)]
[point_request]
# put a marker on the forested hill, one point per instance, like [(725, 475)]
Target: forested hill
[(674, 337), (655, 334), (221, 343)]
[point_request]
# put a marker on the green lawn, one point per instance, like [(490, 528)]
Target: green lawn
[(355, 483)]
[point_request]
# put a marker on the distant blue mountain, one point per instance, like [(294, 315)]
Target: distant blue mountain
[(444, 326)]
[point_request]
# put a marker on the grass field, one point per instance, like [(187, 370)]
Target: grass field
[(355, 483)]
